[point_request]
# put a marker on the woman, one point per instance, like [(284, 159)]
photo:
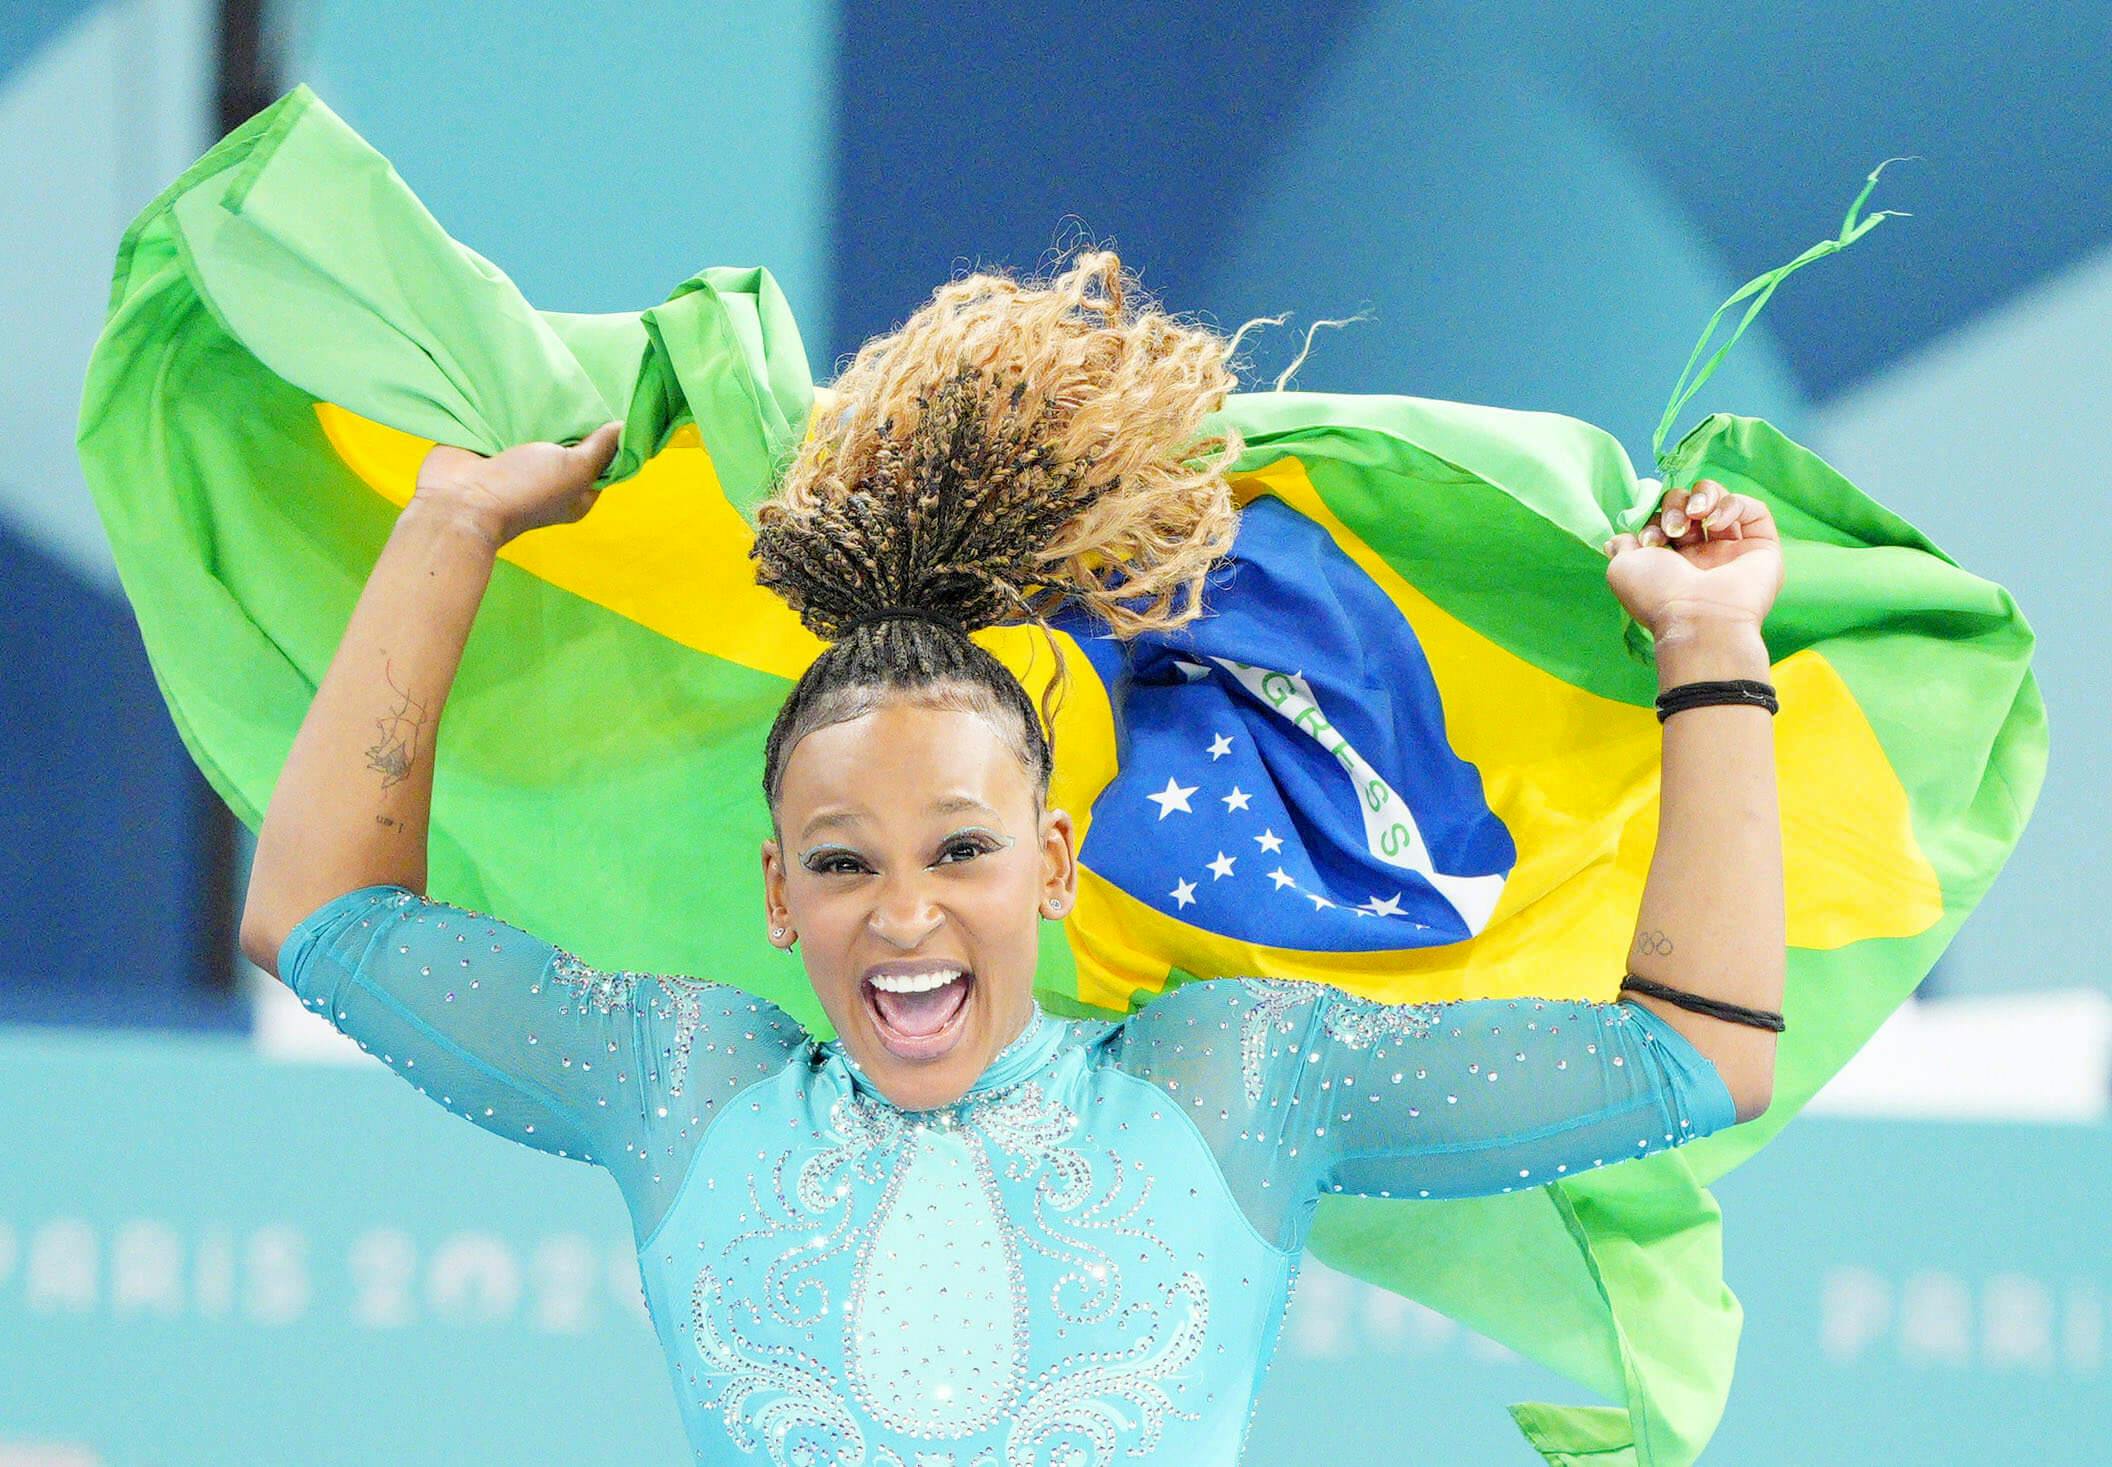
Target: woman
[(966, 1231)]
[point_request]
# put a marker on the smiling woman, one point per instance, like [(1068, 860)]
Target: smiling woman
[(1009, 450), (1405, 756), (917, 919), (965, 1232)]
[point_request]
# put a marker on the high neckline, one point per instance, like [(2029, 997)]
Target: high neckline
[(1027, 1052)]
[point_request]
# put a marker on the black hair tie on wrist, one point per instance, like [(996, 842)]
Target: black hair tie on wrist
[(1727, 690), (1714, 1007)]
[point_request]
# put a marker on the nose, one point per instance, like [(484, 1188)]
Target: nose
[(903, 915)]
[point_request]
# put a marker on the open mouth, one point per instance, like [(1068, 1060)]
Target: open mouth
[(919, 1026)]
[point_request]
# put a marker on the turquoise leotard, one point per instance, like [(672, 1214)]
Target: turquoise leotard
[(1083, 1261)]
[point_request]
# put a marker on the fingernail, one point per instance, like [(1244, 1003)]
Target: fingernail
[(1675, 522)]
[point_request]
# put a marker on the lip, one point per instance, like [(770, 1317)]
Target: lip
[(923, 1046)]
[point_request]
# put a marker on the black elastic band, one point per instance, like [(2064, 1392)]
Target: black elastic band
[(1714, 1007), (1724, 690), (916, 613)]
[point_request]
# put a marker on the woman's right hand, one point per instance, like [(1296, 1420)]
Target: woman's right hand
[(525, 488)]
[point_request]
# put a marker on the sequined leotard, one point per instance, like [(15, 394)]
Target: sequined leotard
[(1085, 1260)]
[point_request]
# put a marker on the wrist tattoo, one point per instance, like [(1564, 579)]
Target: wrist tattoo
[(393, 754), (1654, 943)]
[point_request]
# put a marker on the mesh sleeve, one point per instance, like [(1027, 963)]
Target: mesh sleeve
[(1301, 1089), (622, 1069)]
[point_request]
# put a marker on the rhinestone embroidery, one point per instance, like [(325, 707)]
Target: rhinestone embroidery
[(614, 992), (1356, 1022), (1071, 1400), (940, 1179), (972, 1315), (1055, 1270)]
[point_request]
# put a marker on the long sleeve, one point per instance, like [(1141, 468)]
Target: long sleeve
[(622, 1069), (1301, 1089)]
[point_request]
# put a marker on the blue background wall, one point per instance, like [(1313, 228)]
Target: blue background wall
[(1532, 204)]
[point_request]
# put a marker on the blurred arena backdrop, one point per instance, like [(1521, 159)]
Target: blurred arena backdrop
[(228, 1238)]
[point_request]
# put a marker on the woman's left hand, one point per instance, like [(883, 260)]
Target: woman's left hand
[(1708, 556)]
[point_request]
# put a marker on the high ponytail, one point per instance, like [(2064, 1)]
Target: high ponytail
[(1012, 447)]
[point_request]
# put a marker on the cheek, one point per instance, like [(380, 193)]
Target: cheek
[(1000, 899), (821, 898), (827, 922), (1007, 920)]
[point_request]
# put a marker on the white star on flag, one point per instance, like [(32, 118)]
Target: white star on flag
[(1222, 865), (1269, 841), (1318, 900), (1183, 893), (1391, 907), (1192, 671), (1282, 878), (1173, 797), (1237, 800), (1220, 746)]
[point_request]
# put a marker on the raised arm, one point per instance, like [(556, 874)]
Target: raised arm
[(352, 802), (1713, 916), (1301, 1089), (518, 1036)]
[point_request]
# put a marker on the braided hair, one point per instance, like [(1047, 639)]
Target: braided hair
[(1012, 447)]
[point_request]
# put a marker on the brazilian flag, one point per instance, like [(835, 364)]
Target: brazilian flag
[(1411, 752)]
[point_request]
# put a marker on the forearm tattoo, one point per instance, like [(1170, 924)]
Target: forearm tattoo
[(393, 754)]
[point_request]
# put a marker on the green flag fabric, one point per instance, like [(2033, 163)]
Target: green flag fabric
[(290, 330)]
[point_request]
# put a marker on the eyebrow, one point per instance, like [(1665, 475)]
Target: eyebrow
[(944, 806)]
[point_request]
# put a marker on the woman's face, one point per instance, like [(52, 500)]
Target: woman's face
[(912, 842)]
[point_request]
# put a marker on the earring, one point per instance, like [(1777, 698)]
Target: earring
[(777, 932)]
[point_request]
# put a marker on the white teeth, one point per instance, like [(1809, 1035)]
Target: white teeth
[(917, 982)]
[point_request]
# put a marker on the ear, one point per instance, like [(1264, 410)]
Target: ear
[(775, 908), (1059, 863)]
